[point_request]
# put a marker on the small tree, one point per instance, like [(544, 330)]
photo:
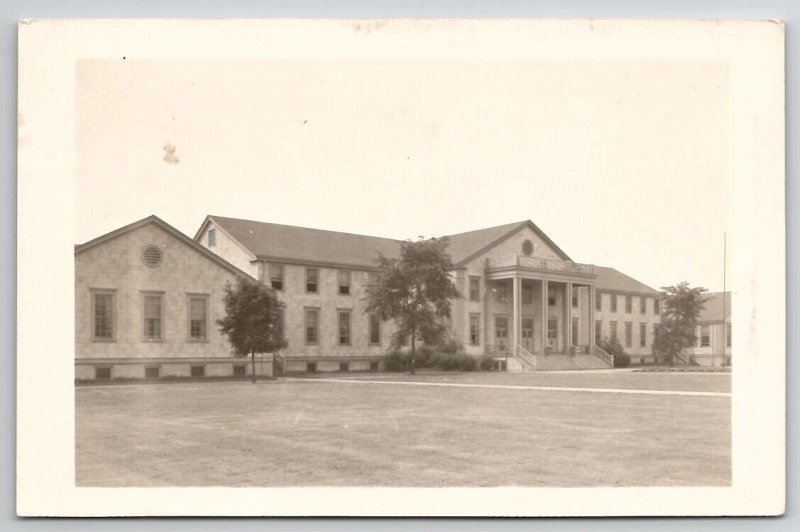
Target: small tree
[(252, 320), (415, 291), (681, 306)]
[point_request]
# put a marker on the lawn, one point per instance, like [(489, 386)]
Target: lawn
[(309, 432)]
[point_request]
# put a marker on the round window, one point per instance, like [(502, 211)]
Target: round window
[(152, 256), (527, 247)]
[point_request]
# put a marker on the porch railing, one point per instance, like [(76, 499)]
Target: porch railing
[(537, 263), (526, 358), (604, 355)]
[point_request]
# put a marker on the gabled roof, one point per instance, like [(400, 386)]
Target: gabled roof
[(153, 219), (713, 307), (609, 279), (276, 241)]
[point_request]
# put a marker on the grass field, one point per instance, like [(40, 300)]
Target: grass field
[(341, 430)]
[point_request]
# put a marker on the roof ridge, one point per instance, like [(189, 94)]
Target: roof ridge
[(489, 228), (303, 227)]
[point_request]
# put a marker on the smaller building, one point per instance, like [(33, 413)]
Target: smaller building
[(713, 332), (147, 301)]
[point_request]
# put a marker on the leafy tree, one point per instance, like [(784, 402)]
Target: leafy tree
[(681, 306), (252, 320), (415, 290)]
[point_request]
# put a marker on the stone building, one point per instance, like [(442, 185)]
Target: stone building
[(525, 301), (147, 298)]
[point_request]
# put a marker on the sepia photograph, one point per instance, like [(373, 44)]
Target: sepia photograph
[(414, 254)]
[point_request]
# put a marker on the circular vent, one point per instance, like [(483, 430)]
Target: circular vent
[(527, 247), (152, 256)]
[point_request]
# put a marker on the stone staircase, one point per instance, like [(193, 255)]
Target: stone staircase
[(525, 361)]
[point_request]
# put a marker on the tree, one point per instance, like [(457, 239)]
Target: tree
[(252, 320), (415, 290), (681, 306)]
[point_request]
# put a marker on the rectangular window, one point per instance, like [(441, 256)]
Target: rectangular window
[(598, 301), (198, 371), (102, 373), (212, 238), (152, 317), (612, 330), (551, 298), (642, 305), (628, 304), (598, 331), (552, 333), (705, 336), (575, 297), (628, 334), (312, 277), (527, 328), (642, 335), (501, 329), (501, 293), (728, 334), (198, 320), (474, 288), (374, 329), (312, 326), (103, 310), (239, 370), (276, 276), (344, 327), (344, 282), (575, 328), (474, 329), (152, 372), (344, 366), (613, 302), (527, 294), (656, 306)]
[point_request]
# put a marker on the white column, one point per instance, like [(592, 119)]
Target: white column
[(516, 320), (567, 316), (544, 315), (592, 304)]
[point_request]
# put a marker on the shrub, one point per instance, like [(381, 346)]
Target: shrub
[(396, 361), (486, 363), (622, 360), (614, 348), (454, 362)]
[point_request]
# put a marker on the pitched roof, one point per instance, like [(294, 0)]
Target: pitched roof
[(465, 246), (611, 279), (153, 219), (713, 307)]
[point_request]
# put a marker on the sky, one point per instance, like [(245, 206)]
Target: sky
[(622, 163)]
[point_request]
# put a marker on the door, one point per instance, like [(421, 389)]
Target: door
[(500, 333), (552, 334), (527, 334)]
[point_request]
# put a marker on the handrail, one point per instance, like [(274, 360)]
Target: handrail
[(525, 357), (540, 264), (604, 355)]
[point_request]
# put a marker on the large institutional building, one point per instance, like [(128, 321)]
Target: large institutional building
[(148, 298)]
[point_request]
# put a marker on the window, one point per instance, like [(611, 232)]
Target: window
[(551, 298), (374, 329), (152, 372), (628, 333), (527, 328), (705, 336), (198, 371), (151, 256), (727, 334), (502, 293), (642, 335), (474, 329), (344, 282), (552, 333), (239, 370), (613, 302), (527, 247), (344, 366), (527, 294), (500, 328), (598, 331), (312, 275), (311, 367), (612, 330), (212, 238), (642, 305), (102, 373), (276, 276), (628, 304), (474, 288), (598, 301), (198, 311), (152, 317), (103, 311), (575, 297), (656, 306), (312, 326), (575, 328), (344, 327)]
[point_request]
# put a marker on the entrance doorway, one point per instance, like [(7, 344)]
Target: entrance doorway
[(527, 334), (552, 334), (500, 333)]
